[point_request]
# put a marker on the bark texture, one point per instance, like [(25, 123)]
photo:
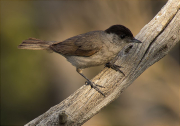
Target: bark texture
[(158, 37)]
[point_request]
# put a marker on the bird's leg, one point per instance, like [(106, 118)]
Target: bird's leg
[(88, 82), (114, 67)]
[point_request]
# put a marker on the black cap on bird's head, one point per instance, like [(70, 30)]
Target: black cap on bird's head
[(122, 32)]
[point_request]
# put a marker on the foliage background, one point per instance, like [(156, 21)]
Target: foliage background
[(33, 81)]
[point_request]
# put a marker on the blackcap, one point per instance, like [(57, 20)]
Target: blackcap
[(89, 49)]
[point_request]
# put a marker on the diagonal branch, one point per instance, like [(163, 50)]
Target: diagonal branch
[(158, 37)]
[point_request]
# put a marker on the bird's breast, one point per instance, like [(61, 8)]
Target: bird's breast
[(99, 58)]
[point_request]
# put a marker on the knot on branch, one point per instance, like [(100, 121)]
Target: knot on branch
[(128, 49), (63, 118)]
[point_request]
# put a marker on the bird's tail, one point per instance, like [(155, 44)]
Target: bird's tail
[(35, 44)]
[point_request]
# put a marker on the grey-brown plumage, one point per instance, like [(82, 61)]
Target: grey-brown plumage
[(81, 45), (89, 49)]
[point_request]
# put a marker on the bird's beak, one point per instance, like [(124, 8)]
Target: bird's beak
[(135, 41)]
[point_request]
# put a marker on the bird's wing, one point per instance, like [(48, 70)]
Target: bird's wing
[(81, 45)]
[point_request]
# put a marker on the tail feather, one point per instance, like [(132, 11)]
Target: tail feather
[(35, 44)]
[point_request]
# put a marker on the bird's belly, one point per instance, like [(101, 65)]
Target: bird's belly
[(84, 62)]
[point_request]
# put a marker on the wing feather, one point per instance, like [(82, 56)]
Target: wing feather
[(81, 45)]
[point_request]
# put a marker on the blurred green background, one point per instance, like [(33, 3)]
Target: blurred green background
[(34, 81)]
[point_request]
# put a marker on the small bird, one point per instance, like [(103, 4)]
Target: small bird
[(93, 48)]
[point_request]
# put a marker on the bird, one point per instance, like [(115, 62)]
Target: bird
[(89, 49)]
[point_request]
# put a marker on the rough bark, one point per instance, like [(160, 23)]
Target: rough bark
[(158, 37)]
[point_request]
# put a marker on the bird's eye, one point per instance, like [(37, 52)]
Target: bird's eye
[(123, 36)]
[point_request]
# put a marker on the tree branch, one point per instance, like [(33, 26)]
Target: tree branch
[(158, 37)]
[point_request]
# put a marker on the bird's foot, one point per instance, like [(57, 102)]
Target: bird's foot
[(114, 67), (95, 86)]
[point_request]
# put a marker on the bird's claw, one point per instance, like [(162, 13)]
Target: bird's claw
[(95, 86), (114, 67)]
